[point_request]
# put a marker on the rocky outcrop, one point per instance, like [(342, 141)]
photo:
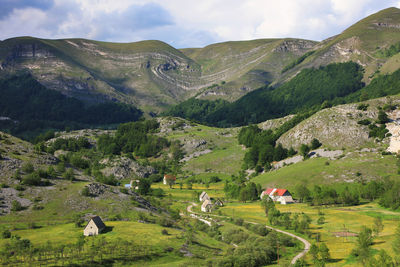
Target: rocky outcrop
[(336, 127), (122, 167)]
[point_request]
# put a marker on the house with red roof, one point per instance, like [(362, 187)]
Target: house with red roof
[(282, 196), (169, 179)]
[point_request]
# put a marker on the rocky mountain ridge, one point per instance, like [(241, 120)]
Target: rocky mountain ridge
[(153, 75)]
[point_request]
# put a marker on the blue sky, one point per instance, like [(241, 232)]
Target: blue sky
[(183, 23)]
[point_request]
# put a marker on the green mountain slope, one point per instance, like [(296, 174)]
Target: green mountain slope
[(310, 88), (148, 74), (362, 42), (152, 75)]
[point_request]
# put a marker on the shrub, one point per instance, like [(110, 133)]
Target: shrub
[(61, 167), (382, 117), (16, 206), (32, 179), (158, 192), (315, 143), (363, 107), (6, 234), (164, 232), (115, 217), (42, 173), (364, 122), (85, 192), (28, 167), (239, 221), (37, 207), (124, 190), (19, 187), (79, 162), (69, 175)]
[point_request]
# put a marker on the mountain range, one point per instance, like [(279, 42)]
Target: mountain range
[(153, 75)]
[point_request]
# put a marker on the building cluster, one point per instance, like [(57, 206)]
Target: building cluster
[(208, 205), (282, 196)]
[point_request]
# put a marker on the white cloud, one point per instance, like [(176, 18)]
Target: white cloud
[(185, 23)]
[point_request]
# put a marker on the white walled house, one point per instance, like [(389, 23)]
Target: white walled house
[(169, 177), (282, 196)]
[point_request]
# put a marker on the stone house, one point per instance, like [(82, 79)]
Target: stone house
[(206, 206), (219, 202), (94, 227), (204, 196)]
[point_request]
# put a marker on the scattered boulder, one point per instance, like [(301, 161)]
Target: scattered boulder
[(96, 189)]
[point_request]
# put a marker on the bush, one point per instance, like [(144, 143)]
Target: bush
[(28, 167), (6, 234), (32, 179), (164, 232), (79, 162), (364, 122), (259, 229), (239, 221), (19, 187), (363, 107), (42, 173), (158, 192), (124, 190), (85, 192), (37, 207), (16, 206), (382, 117), (315, 143), (69, 175)]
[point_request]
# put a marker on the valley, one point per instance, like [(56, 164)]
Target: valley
[(268, 152)]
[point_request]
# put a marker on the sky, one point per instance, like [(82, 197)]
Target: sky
[(183, 23)]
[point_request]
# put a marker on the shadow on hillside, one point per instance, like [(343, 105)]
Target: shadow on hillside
[(107, 229), (204, 246), (334, 260)]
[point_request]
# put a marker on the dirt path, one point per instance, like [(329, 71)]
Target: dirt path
[(307, 244)]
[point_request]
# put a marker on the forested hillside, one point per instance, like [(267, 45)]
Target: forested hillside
[(309, 89), (32, 107)]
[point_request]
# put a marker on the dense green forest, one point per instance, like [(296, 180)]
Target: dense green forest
[(308, 90), (35, 107), (134, 137), (382, 85), (196, 109)]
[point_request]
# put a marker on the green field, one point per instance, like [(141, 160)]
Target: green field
[(353, 167)]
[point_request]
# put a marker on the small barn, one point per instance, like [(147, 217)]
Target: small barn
[(169, 177), (282, 196), (206, 206), (204, 196), (94, 227), (219, 202)]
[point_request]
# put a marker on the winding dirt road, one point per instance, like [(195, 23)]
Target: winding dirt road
[(307, 244)]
